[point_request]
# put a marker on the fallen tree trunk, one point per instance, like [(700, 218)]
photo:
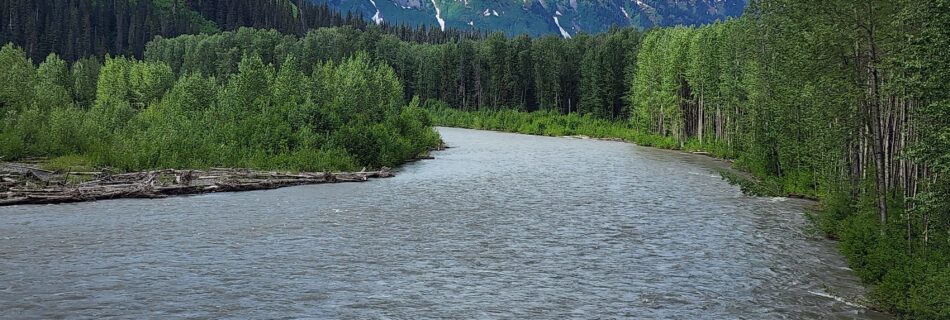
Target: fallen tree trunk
[(22, 184)]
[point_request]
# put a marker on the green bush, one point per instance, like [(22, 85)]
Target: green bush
[(261, 117)]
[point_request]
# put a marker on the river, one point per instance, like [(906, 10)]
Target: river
[(499, 226)]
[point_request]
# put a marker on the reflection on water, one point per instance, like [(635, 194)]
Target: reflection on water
[(500, 226)]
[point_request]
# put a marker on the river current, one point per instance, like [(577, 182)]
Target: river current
[(498, 226)]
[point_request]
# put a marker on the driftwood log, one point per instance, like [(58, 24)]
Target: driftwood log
[(28, 184)]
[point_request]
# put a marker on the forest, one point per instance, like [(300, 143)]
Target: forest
[(75, 29), (849, 106), (134, 115)]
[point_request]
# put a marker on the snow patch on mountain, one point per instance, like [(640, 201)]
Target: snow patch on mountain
[(438, 15), (643, 5), (377, 18)]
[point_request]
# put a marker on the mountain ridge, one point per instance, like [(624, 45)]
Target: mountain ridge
[(541, 17)]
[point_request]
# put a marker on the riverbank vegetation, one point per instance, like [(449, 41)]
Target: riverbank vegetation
[(136, 115), (848, 104), (554, 124)]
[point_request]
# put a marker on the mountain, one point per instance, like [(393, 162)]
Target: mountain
[(540, 17)]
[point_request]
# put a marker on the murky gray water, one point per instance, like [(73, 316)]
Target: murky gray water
[(500, 226)]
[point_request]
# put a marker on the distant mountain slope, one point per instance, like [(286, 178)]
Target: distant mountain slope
[(539, 17)]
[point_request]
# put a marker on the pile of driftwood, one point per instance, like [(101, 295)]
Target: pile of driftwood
[(28, 184)]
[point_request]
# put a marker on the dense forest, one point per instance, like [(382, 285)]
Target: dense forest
[(587, 74), (847, 105), (77, 29), (134, 115)]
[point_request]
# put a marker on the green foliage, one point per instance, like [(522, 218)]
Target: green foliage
[(176, 9), (908, 282), (53, 84), (16, 79), (342, 118), (68, 163), (752, 186), (524, 73), (85, 77), (546, 123)]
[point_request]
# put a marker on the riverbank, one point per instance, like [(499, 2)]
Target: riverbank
[(575, 126), (903, 282), (553, 124), (30, 184)]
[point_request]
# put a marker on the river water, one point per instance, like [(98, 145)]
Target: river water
[(498, 226)]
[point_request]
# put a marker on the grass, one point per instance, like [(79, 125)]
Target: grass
[(69, 163)]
